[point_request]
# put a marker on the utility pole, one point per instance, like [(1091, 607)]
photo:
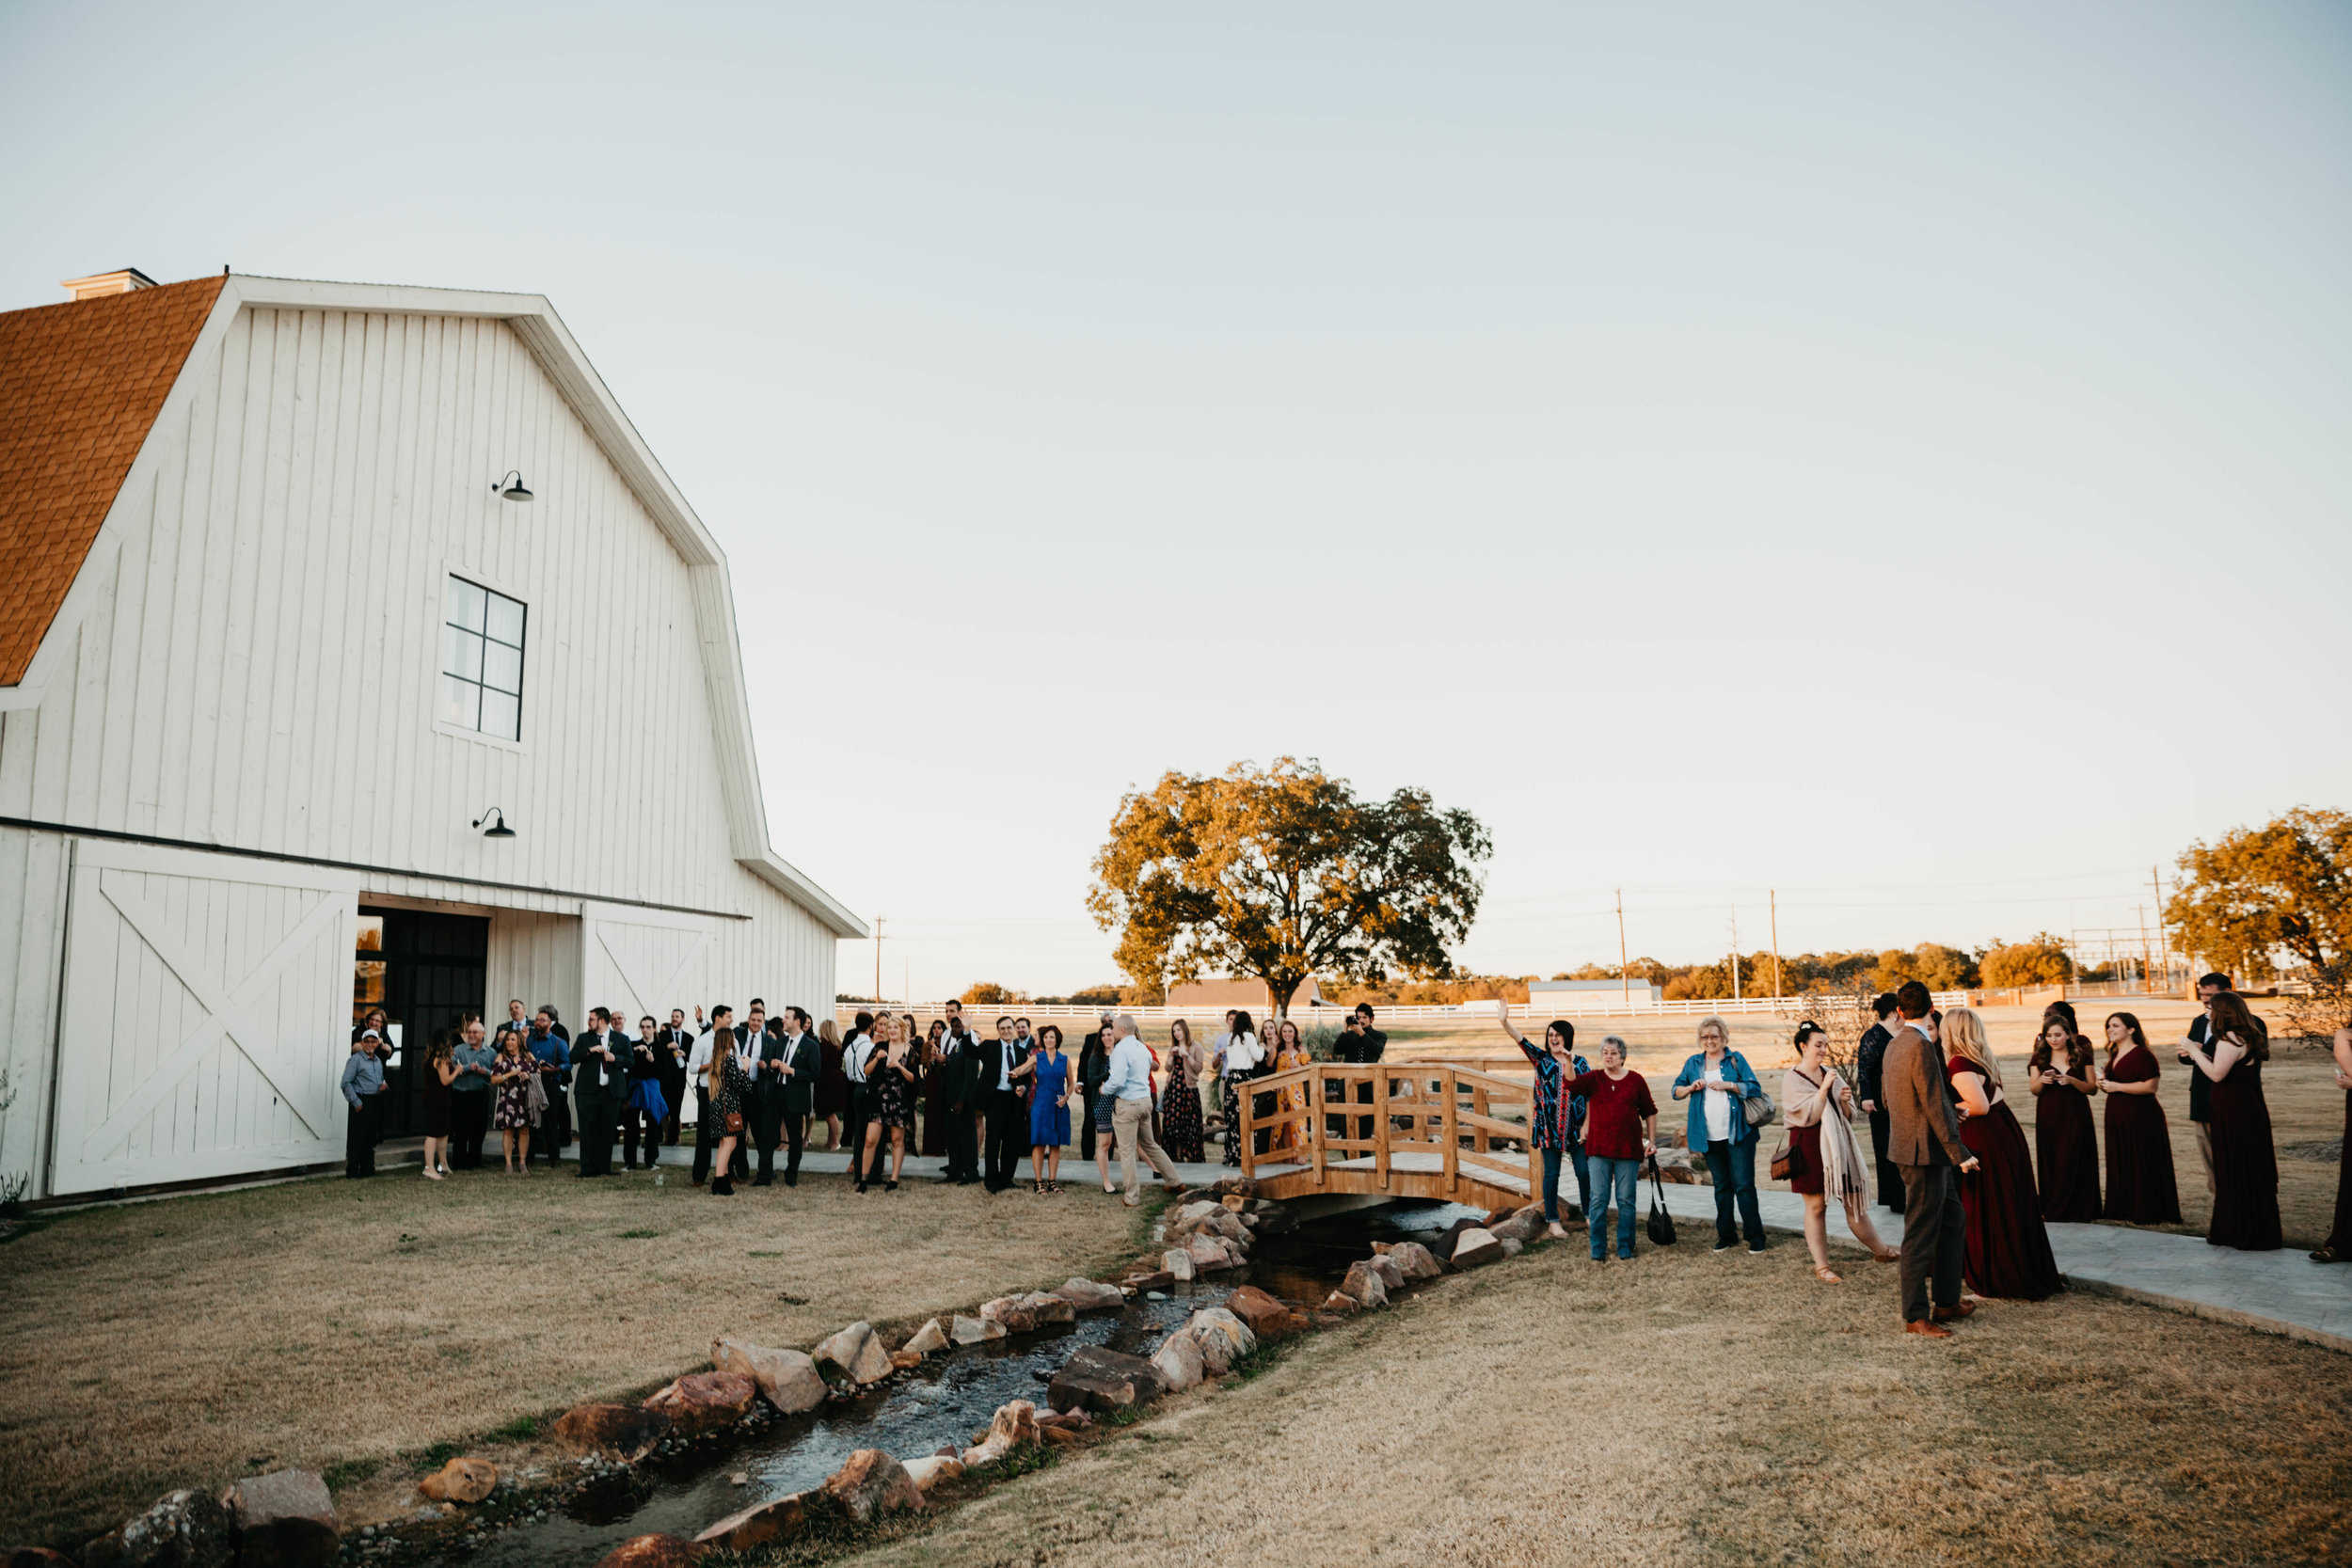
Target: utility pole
[(1773, 895), (2164, 937), (2143, 949), (878, 924), (1735, 952), (1625, 978)]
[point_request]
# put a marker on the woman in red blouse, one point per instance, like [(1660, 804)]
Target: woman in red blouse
[(1620, 1130)]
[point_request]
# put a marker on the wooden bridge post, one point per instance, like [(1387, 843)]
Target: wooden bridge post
[(1245, 1115), (1453, 1164), (1317, 1122), (1380, 1125)]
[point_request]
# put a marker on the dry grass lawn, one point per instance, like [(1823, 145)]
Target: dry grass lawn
[(1693, 1409), (2306, 1107), (190, 1340)]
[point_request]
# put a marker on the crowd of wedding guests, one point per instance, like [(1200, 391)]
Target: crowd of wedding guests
[(883, 1089), (1949, 1151)]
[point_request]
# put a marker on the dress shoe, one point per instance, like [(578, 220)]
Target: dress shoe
[(1953, 1314), (1928, 1330)]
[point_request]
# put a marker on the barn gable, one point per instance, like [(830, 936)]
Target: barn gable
[(222, 765)]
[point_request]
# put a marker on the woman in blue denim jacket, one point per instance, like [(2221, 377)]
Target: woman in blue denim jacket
[(1715, 1081)]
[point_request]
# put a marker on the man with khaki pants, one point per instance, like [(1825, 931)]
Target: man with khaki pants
[(1130, 1088)]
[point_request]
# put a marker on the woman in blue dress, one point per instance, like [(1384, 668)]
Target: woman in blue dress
[(1049, 1111)]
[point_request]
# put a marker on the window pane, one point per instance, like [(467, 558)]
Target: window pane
[(465, 604), (506, 620), (501, 715), (461, 703), (502, 667), (461, 654)]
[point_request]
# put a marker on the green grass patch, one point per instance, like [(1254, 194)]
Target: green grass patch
[(522, 1429), (349, 1472), (638, 1235)]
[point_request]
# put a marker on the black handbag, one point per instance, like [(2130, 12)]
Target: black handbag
[(1662, 1224)]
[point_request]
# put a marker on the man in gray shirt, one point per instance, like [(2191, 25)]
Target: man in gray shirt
[(469, 1098), (363, 1092)]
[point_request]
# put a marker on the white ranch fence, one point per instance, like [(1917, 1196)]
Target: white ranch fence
[(1579, 1004)]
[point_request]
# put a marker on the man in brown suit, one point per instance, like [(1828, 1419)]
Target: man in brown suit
[(1926, 1147)]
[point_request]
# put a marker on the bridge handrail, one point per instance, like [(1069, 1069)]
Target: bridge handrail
[(1455, 1121)]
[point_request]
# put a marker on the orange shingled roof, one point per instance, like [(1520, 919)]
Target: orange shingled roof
[(80, 382)]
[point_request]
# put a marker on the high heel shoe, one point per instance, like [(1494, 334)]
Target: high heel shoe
[(891, 1186), (722, 1187)]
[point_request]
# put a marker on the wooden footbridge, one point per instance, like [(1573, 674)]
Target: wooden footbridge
[(1426, 1130)]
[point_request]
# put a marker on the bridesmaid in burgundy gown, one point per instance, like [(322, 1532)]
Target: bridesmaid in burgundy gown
[(2245, 1162), (2338, 1246), (2008, 1254), (2140, 1189), (2065, 1145)]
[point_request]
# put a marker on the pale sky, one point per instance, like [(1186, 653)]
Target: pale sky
[(1892, 455)]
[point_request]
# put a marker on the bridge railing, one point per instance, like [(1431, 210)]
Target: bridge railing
[(1329, 1113)]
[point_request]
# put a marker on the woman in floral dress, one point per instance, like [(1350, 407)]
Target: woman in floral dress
[(1179, 1099), (511, 1078)]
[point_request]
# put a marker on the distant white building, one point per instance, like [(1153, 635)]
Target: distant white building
[(1591, 995), (313, 588)]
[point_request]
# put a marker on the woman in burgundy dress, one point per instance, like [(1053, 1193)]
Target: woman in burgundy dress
[(2244, 1163), (2008, 1252), (2338, 1248), (2139, 1144), (2065, 1145)]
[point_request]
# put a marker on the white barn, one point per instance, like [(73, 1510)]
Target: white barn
[(275, 642)]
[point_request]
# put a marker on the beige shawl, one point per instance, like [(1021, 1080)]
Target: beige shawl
[(1824, 1103)]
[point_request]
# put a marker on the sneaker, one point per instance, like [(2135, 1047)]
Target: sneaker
[(1724, 1246), (1755, 1246)]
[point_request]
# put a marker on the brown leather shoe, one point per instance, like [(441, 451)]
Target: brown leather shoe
[(1953, 1314), (1931, 1331)]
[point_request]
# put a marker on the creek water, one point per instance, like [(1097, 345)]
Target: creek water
[(946, 1399)]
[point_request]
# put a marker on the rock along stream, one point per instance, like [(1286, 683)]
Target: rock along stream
[(945, 1400)]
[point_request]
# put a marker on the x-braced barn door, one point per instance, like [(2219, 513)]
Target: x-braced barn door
[(206, 1017)]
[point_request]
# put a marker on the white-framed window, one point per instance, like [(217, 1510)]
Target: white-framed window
[(482, 661)]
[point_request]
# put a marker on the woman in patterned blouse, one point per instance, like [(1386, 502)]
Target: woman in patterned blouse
[(1558, 1121)]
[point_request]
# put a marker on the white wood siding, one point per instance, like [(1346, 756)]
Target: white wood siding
[(259, 669), (535, 957), (262, 671)]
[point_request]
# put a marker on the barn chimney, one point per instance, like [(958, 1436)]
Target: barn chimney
[(107, 283)]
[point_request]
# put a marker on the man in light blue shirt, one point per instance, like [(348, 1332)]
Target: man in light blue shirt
[(1130, 1085)]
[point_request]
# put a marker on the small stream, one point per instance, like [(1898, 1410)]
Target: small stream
[(946, 1399)]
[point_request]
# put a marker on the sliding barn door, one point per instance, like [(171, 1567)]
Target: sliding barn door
[(646, 961), (206, 1013)]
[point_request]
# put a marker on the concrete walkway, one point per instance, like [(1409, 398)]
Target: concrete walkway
[(2277, 1292)]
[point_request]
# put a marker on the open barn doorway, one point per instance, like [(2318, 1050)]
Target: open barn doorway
[(426, 970)]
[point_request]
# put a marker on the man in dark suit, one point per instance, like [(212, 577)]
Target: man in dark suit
[(959, 1099), (678, 1043), (1000, 1094), (1923, 1120), (1869, 1062), (2201, 1087), (800, 1062), (1369, 1045), (771, 1078), (599, 1090)]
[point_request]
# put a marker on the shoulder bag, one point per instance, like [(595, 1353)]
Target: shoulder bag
[(1662, 1224)]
